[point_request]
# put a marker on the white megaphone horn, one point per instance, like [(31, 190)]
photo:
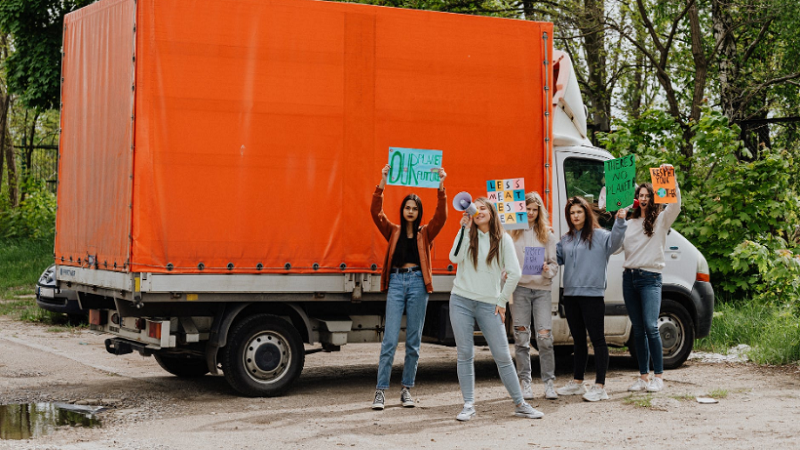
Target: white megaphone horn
[(463, 202)]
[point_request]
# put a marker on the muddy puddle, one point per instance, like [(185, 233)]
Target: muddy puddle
[(31, 420)]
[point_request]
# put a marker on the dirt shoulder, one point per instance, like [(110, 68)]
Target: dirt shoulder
[(329, 405)]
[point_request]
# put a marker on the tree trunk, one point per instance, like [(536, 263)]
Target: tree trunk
[(591, 21)]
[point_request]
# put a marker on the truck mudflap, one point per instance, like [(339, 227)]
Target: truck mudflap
[(703, 299)]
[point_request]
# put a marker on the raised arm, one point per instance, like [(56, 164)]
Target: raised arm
[(672, 210), (376, 209), (617, 236), (440, 216)]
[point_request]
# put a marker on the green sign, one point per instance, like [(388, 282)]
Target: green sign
[(620, 182), (414, 167)]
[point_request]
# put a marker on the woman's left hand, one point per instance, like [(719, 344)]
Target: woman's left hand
[(442, 176), (502, 311)]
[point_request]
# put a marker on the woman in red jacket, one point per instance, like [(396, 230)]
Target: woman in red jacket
[(407, 279)]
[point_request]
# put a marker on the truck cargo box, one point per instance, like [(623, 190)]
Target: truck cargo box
[(247, 136)]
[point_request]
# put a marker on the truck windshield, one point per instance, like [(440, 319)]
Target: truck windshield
[(585, 177)]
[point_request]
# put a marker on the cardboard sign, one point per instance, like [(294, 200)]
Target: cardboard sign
[(534, 261), (620, 182), (414, 167), (508, 197), (663, 184)]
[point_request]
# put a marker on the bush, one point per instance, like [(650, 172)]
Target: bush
[(35, 218), (726, 202)]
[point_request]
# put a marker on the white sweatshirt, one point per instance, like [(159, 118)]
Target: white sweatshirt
[(482, 284), (528, 239), (647, 253)]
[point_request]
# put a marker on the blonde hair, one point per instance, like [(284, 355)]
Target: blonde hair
[(541, 225)]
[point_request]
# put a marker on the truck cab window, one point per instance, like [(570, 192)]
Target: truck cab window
[(586, 177)]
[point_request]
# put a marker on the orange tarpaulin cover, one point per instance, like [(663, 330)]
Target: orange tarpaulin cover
[(261, 128)]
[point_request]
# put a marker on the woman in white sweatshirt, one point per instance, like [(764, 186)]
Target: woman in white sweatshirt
[(644, 244), (532, 297), (483, 251)]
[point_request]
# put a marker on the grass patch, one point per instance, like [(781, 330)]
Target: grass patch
[(21, 264), (683, 397), (772, 332), (57, 329), (641, 402), (718, 393)]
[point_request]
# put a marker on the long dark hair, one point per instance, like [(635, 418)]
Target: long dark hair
[(495, 235), (653, 210), (588, 225), (417, 221)]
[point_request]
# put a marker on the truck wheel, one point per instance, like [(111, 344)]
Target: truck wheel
[(182, 367), (676, 328), (263, 357)]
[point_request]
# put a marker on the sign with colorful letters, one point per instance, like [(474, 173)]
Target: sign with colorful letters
[(620, 182), (534, 261), (663, 184), (414, 167), (508, 197)]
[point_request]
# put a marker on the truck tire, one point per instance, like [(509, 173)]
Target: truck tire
[(263, 357), (677, 334), (182, 367)]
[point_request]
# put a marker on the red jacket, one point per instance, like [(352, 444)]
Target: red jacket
[(425, 236)]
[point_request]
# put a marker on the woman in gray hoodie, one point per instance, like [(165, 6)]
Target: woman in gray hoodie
[(584, 253)]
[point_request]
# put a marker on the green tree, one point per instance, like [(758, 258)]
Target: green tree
[(34, 67)]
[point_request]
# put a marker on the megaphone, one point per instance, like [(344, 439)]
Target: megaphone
[(463, 202)]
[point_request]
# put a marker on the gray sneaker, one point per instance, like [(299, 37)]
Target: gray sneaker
[(596, 393), (379, 401), (526, 410), (467, 413), (549, 391), (572, 388), (406, 399), (527, 392), (655, 385)]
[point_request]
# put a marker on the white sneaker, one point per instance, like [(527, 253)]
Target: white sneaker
[(467, 413), (572, 388), (596, 393), (655, 385), (526, 410), (527, 392), (639, 386), (549, 391)]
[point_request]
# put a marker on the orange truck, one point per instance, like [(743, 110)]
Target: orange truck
[(217, 163)]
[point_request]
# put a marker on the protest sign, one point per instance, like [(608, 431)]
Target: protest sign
[(663, 184), (534, 261), (620, 182), (508, 197), (414, 167)]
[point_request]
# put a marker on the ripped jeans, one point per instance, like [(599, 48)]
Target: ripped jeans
[(536, 303)]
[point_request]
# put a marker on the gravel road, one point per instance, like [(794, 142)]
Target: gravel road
[(329, 405)]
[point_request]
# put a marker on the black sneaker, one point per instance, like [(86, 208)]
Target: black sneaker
[(405, 398), (380, 399)]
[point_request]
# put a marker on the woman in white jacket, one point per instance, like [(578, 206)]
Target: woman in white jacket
[(532, 297), (486, 251)]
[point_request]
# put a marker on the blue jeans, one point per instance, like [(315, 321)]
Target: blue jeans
[(642, 292), (406, 293), (463, 315)]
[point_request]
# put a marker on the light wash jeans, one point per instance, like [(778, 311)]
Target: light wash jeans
[(538, 303), (642, 292), (406, 293), (463, 315)]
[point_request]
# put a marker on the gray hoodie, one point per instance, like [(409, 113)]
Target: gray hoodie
[(584, 268)]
